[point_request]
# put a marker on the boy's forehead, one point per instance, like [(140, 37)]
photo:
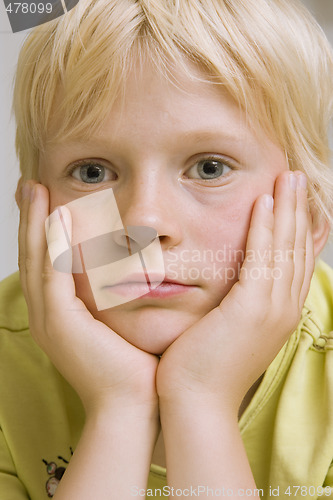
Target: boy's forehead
[(146, 85), (187, 79), (185, 97)]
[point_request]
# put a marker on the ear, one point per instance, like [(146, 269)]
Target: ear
[(320, 232)]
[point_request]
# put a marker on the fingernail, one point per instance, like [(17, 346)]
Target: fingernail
[(292, 181), (302, 181), (269, 202)]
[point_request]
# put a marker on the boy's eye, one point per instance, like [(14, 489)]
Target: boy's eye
[(92, 173), (208, 169)]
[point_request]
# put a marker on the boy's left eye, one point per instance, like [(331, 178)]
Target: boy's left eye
[(208, 169)]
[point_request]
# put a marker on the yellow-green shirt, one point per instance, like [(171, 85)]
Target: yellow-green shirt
[(287, 428)]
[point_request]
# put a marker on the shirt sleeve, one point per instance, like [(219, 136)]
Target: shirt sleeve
[(11, 488)]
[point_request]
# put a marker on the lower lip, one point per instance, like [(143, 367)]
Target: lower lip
[(139, 290)]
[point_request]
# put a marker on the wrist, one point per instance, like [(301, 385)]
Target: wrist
[(125, 422), (204, 405), (123, 407)]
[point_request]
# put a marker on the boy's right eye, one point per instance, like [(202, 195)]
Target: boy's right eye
[(92, 173)]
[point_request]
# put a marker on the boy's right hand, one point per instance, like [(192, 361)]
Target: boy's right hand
[(101, 366)]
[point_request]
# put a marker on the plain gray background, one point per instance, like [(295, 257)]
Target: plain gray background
[(9, 47)]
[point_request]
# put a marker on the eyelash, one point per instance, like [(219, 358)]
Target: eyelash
[(87, 163), (216, 159)]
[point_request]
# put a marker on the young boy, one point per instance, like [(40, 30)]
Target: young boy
[(207, 122)]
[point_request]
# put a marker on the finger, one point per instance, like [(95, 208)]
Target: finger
[(302, 226), (309, 264), (35, 249), (284, 233), (258, 258), (24, 204)]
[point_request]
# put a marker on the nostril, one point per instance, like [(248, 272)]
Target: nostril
[(137, 238), (122, 239)]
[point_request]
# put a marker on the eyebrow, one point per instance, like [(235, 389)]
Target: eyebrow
[(229, 138), (206, 135)]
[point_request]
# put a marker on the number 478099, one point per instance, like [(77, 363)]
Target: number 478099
[(29, 8)]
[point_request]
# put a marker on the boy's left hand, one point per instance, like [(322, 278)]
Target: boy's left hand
[(223, 354)]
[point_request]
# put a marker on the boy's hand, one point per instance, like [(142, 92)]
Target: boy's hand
[(102, 367), (223, 354)]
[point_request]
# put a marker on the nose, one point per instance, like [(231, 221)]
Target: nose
[(150, 204)]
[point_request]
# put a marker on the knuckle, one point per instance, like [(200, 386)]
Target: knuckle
[(46, 275), (27, 263), (300, 253), (288, 247)]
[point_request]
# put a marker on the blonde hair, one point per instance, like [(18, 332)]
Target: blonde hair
[(270, 55)]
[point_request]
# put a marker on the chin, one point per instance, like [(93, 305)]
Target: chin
[(151, 330)]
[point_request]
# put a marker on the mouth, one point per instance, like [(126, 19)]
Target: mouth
[(152, 286)]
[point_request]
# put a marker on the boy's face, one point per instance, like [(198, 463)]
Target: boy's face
[(183, 160)]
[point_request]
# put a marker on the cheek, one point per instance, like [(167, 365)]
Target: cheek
[(231, 219), (228, 229)]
